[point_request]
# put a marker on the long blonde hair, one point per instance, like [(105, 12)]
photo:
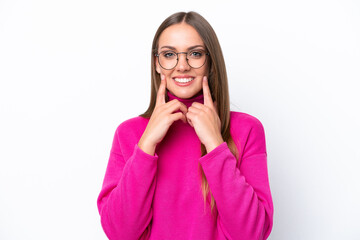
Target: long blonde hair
[(217, 78)]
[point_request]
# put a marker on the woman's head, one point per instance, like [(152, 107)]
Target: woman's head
[(182, 58), (181, 31)]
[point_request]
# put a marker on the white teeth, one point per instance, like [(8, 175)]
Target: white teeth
[(183, 80)]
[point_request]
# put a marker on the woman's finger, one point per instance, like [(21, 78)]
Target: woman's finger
[(174, 105), (177, 116), (189, 121), (160, 98), (207, 95), (198, 106), (189, 116)]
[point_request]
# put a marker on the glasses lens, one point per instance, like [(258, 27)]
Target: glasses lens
[(196, 58), (168, 59)]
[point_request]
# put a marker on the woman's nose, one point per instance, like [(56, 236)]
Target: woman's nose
[(182, 63)]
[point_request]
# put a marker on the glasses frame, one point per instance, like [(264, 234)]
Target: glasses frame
[(177, 58)]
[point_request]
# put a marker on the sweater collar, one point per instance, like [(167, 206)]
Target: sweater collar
[(199, 97)]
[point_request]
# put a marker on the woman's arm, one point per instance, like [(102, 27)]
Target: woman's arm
[(242, 195), (125, 200), (128, 189)]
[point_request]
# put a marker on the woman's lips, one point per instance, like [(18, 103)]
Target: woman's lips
[(183, 81)]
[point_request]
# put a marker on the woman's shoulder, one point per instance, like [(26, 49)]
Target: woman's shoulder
[(249, 131), (127, 134), (134, 122), (132, 125), (245, 126), (244, 120)]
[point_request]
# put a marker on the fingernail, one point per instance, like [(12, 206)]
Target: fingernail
[(205, 78), (162, 77)]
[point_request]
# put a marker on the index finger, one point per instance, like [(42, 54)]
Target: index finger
[(207, 95), (160, 98)]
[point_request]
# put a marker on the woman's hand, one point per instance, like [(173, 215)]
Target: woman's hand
[(161, 119), (205, 119)]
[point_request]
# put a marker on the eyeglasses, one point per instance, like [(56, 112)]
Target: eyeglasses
[(169, 59)]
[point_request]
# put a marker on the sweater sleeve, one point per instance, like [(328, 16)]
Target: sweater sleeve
[(126, 196), (242, 194)]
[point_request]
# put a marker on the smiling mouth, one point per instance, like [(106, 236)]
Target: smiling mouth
[(183, 80)]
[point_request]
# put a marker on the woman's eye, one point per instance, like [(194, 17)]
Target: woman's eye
[(169, 54), (196, 54)]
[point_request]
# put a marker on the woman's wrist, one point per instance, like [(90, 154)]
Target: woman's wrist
[(211, 146), (146, 147)]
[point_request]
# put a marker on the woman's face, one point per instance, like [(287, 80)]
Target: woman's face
[(182, 38)]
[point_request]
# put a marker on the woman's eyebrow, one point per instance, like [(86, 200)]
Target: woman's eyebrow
[(189, 48)]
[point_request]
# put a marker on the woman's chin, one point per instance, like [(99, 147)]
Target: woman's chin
[(184, 95)]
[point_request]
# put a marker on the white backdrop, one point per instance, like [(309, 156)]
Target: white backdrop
[(71, 71)]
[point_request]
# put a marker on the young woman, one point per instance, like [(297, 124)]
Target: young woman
[(187, 168)]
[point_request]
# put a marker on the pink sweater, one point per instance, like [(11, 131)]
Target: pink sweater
[(159, 197)]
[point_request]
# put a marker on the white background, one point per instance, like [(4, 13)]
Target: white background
[(71, 71)]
